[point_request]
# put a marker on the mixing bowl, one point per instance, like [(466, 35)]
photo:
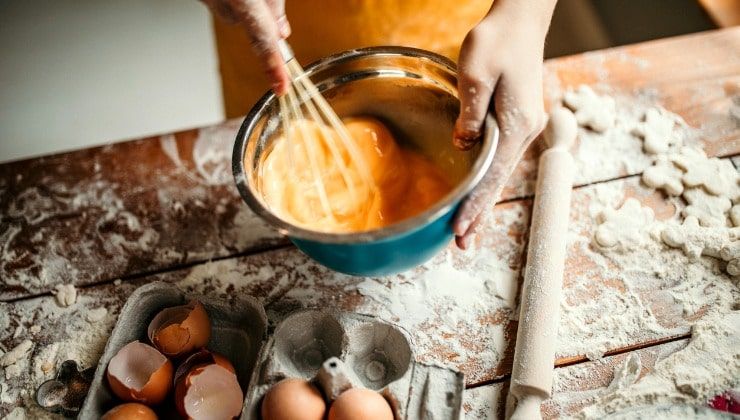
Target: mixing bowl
[(414, 92)]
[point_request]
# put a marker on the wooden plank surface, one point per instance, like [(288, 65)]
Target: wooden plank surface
[(156, 204), (458, 309), (574, 387), (695, 76), (121, 210), (153, 205)]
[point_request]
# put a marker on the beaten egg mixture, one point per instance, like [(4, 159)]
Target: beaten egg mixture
[(404, 183)]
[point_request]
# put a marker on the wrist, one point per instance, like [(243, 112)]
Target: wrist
[(535, 15)]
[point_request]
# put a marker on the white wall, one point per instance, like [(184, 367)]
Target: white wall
[(74, 73)]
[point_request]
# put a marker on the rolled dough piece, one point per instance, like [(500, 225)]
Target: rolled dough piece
[(696, 240), (591, 110), (624, 228), (735, 215), (709, 209), (664, 175), (656, 131), (717, 176)]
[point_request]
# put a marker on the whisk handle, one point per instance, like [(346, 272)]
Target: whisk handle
[(285, 51)]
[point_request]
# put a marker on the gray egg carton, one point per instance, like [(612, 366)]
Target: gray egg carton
[(238, 332), (340, 350), (335, 350)]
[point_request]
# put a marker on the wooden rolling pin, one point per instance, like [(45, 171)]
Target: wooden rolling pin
[(536, 339)]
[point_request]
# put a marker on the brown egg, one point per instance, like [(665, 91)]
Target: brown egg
[(360, 404), (293, 399), (206, 387), (139, 372), (130, 411), (179, 330)]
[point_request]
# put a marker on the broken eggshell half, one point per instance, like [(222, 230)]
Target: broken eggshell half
[(179, 330), (140, 373), (206, 387)]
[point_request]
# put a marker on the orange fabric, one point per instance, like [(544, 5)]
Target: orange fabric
[(325, 27)]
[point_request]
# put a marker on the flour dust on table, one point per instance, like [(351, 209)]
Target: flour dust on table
[(634, 239), (73, 330)]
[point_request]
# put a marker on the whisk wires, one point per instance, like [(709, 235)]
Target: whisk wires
[(329, 132)]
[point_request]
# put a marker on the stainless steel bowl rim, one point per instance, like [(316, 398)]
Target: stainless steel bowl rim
[(489, 142)]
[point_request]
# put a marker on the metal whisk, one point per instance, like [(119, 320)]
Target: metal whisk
[(303, 102)]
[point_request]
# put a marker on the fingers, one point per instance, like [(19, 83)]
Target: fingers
[(521, 117), (278, 11), (476, 83), (469, 214), (261, 22)]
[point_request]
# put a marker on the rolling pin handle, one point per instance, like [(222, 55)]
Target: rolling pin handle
[(562, 129), (527, 408)]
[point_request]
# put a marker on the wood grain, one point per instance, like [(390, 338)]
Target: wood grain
[(122, 210), (574, 387), (155, 204)]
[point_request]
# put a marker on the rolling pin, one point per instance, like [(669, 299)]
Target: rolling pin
[(536, 339)]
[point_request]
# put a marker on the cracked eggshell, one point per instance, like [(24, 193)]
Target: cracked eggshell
[(139, 372), (130, 411), (179, 330), (206, 387), (360, 404), (293, 399)]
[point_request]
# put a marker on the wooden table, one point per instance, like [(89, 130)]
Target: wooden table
[(112, 218)]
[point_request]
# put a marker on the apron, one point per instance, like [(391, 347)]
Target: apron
[(321, 28)]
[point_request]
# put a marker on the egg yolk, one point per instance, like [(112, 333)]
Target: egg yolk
[(314, 179)]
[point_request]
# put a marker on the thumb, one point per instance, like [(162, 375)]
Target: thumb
[(474, 89)]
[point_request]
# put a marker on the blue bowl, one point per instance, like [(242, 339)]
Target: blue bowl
[(414, 92)]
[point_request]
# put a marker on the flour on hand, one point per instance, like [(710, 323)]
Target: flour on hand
[(591, 110)]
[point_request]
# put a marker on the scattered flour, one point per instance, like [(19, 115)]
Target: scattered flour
[(707, 366), (45, 262), (68, 334), (642, 265)]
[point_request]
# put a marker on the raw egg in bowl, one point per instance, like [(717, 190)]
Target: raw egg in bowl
[(405, 100)]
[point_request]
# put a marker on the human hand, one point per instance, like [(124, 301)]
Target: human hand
[(266, 24), (500, 63)]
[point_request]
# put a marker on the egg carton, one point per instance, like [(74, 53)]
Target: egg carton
[(339, 350), (238, 331), (336, 350)]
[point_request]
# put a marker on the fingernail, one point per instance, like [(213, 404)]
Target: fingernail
[(463, 143), (461, 227), (465, 135), (467, 240), (279, 88), (283, 26), (459, 242)]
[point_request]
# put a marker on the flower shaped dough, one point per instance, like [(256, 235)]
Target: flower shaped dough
[(656, 131), (591, 110)]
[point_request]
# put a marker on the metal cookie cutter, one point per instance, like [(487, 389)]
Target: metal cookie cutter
[(65, 393)]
